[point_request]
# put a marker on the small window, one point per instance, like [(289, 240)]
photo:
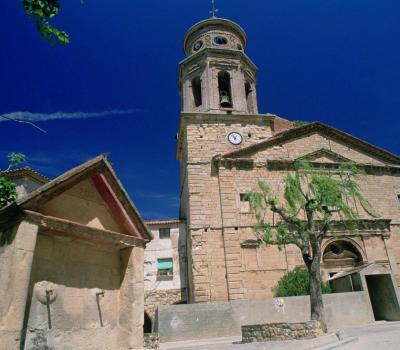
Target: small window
[(249, 97), (196, 89), (243, 197), (244, 203), (220, 40), (165, 233), (398, 198), (165, 269), (197, 45)]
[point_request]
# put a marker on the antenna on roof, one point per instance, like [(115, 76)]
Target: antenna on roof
[(214, 10)]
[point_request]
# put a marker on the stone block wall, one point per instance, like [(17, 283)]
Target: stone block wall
[(212, 204), (281, 331), (218, 223)]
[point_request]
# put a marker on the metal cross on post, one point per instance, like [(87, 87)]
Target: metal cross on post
[(214, 10)]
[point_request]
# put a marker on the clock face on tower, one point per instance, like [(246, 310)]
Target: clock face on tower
[(235, 138)]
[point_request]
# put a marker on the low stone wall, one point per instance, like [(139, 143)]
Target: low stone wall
[(202, 321), (281, 331), (151, 341)]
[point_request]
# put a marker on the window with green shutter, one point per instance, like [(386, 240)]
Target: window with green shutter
[(165, 269)]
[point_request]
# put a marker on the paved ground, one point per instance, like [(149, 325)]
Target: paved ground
[(382, 336), (379, 336)]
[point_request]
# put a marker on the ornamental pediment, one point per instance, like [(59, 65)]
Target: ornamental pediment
[(324, 156), (315, 142)]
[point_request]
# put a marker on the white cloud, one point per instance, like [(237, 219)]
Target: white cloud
[(39, 117)]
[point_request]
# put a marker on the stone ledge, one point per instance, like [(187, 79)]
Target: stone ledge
[(281, 331)]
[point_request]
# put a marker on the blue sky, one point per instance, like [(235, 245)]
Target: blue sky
[(336, 61)]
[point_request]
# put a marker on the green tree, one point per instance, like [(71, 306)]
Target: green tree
[(295, 283), (8, 193), (312, 198), (41, 12)]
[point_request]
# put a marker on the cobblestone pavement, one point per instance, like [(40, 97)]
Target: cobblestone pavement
[(382, 336)]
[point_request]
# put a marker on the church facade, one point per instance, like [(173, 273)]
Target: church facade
[(225, 146)]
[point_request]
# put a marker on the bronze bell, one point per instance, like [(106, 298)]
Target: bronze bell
[(225, 100)]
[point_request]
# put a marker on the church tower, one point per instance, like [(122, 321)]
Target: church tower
[(225, 146), (217, 76), (219, 114)]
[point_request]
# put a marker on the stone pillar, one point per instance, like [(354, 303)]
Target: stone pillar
[(15, 272), (131, 298)]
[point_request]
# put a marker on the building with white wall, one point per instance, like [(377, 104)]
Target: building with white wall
[(165, 272)]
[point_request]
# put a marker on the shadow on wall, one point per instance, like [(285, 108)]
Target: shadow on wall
[(75, 285)]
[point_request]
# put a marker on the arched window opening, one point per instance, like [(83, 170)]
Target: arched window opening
[(224, 86), (196, 89), (249, 97), (148, 324), (342, 253)]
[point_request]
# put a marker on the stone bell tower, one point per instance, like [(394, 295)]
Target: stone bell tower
[(219, 114), (217, 76)]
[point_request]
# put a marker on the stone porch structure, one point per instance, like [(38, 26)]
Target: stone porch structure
[(71, 264)]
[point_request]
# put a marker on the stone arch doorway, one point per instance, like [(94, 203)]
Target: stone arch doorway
[(148, 324), (341, 254)]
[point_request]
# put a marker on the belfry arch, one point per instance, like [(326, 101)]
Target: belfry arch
[(225, 89)]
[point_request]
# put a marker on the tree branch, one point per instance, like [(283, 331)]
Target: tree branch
[(288, 218), (23, 122)]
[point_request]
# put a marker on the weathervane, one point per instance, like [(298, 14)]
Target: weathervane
[(214, 10)]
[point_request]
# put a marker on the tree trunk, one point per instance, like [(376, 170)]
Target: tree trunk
[(317, 304), (314, 271)]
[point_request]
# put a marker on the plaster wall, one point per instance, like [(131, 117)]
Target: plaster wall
[(78, 317), (164, 292), (83, 204), (173, 247), (16, 257), (202, 321)]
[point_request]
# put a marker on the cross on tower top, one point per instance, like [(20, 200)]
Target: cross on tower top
[(213, 10)]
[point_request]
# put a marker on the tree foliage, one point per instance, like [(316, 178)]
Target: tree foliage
[(15, 159), (296, 283), (300, 123), (8, 193), (41, 12), (313, 199)]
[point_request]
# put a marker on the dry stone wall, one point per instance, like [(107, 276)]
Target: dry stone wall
[(281, 331), (154, 298)]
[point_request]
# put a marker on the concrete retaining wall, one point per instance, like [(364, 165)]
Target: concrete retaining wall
[(202, 321)]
